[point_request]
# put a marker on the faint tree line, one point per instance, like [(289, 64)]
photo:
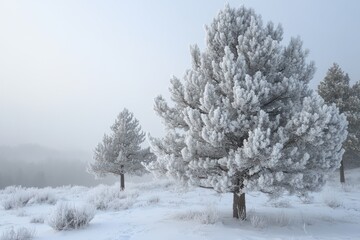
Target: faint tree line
[(44, 173)]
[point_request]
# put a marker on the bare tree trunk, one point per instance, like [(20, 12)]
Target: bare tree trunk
[(342, 173), (122, 182), (239, 204), (122, 178)]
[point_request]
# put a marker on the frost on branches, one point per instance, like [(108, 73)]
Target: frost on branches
[(120, 152), (244, 118), (335, 88)]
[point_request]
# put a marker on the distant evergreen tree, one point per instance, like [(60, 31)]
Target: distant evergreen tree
[(335, 88), (354, 122), (121, 152), (244, 117)]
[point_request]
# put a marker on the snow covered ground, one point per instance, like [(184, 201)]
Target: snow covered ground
[(159, 209)]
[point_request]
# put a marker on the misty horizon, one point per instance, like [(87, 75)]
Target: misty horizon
[(38, 166)]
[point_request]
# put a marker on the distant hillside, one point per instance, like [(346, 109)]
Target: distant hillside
[(37, 166)]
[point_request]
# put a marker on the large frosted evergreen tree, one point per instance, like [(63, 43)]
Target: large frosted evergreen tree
[(244, 118), (121, 152), (335, 88)]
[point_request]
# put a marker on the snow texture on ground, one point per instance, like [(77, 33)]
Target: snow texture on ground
[(160, 209)]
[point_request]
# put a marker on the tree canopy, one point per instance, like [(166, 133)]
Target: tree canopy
[(121, 152), (243, 118)]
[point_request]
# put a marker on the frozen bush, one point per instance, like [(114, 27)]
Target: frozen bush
[(105, 197), (17, 199), (77, 190), (11, 189), (281, 220), (281, 204), (67, 216), (43, 196), (157, 184), (258, 221), (331, 200), (262, 221), (333, 203), (306, 199), (37, 220), (349, 187), (19, 234), (207, 216), (20, 197), (153, 200)]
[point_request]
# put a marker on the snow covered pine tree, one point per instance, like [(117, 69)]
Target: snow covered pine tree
[(121, 152), (245, 119), (335, 88)]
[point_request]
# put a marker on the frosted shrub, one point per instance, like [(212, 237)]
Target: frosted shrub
[(331, 200), (102, 196), (20, 197), (281, 220), (105, 197), (19, 234), (163, 184), (66, 216), (153, 200), (349, 187), (37, 220), (17, 199), (77, 190), (281, 204), (208, 216), (306, 199), (262, 221), (11, 189), (43, 196), (258, 221)]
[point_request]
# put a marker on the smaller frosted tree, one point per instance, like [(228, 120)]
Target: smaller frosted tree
[(335, 88), (120, 152), (354, 121)]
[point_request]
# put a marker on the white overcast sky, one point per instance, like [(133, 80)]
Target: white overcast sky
[(68, 67)]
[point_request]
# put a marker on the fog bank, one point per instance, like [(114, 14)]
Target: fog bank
[(37, 166)]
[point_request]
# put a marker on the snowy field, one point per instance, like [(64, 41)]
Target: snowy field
[(159, 209)]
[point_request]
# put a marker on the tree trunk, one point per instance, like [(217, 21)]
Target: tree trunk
[(122, 182), (239, 206), (342, 173)]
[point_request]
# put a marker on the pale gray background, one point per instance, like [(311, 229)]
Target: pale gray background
[(67, 68)]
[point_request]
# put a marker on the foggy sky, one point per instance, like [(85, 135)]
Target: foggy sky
[(67, 68)]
